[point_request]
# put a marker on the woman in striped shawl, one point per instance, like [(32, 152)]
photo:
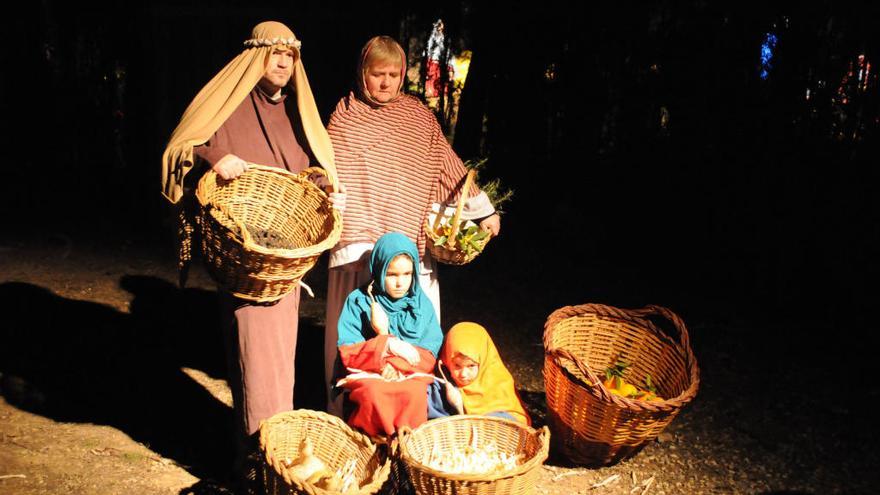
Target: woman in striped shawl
[(395, 162)]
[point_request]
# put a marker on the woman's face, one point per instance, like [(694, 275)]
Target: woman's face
[(463, 370), (383, 81), (398, 276)]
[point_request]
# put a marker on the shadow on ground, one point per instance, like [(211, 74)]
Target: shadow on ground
[(79, 361)]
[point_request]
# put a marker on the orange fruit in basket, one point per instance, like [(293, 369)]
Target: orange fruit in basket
[(648, 396), (610, 382), (645, 396), (628, 390)]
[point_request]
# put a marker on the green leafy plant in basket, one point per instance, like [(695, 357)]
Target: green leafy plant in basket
[(448, 231), (498, 194), (469, 238)]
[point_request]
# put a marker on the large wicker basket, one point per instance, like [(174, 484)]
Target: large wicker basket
[(454, 432), (269, 200), (335, 443), (590, 425), (448, 253)]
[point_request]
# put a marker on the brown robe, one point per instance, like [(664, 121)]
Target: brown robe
[(260, 339), (260, 130)]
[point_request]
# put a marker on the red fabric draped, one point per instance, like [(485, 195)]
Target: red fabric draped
[(383, 406)]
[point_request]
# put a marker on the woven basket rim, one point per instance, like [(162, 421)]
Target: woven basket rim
[(281, 253), (286, 254), (433, 236), (446, 254), (542, 434), (363, 441), (617, 315)]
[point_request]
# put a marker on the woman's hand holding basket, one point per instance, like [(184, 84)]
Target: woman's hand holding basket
[(491, 224), (337, 196)]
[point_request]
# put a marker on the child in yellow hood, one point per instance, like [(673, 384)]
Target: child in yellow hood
[(486, 385)]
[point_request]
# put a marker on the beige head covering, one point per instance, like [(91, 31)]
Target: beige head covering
[(222, 95)]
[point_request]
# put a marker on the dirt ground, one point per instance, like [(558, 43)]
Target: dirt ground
[(113, 382)]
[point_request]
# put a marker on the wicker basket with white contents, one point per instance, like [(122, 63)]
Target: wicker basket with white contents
[(342, 449), (472, 455)]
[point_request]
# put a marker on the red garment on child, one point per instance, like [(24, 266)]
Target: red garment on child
[(383, 406)]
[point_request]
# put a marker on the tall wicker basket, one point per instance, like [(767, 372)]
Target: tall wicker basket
[(271, 200), (335, 443), (590, 425), (452, 432)]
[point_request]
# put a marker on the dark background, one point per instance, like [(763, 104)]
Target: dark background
[(751, 194), (751, 212)]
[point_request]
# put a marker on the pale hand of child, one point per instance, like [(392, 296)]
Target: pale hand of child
[(337, 198), (404, 350), (230, 167)]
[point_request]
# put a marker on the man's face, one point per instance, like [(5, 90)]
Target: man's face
[(383, 81), (279, 70)]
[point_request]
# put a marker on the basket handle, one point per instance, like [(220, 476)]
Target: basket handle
[(402, 434), (594, 381), (320, 171), (246, 237), (394, 447), (334, 182), (455, 218), (678, 323), (439, 217), (637, 316), (544, 438)]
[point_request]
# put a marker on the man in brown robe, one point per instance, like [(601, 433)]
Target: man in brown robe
[(271, 127)]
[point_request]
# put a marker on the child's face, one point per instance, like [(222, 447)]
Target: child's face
[(398, 276), (463, 370)]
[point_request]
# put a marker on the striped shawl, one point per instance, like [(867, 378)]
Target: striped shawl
[(394, 161)]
